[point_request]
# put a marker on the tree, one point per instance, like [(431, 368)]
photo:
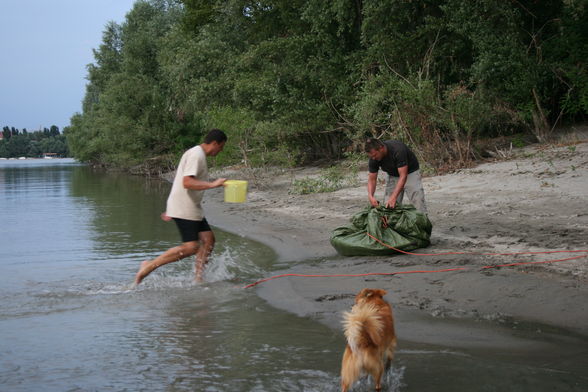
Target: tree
[(299, 80), (32, 144)]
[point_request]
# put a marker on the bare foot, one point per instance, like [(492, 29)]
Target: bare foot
[(143, 271)]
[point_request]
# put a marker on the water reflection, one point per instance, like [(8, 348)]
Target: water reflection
[(125, 210)]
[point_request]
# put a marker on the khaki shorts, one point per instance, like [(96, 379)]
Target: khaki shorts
[(413, 189)]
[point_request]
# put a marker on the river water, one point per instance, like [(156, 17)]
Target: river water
[(71, 240)]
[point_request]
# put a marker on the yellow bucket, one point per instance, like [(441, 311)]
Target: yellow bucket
[(235, 191)]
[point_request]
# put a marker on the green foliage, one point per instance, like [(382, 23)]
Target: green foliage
[(298, 81), (330, 180), (16, 143), (127, 115), (567, 53), (518, 141), (239, 125)]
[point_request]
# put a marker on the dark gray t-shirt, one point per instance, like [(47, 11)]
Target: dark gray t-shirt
[(398, 155)]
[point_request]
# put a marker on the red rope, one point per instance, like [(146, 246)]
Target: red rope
[(349, 275), (432, 271)]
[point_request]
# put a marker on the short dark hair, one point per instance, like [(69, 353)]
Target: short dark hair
[(215, 135), (373, 144)]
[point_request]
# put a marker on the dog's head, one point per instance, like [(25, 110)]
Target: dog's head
[(367, 295)]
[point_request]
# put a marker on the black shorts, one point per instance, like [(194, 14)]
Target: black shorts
[(189, 229)]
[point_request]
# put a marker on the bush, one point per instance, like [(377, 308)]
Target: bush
[(330, 180)]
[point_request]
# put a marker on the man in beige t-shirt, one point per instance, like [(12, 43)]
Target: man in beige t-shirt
[(184, 207)]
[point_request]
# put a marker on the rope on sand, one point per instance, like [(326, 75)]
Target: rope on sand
[(585, 254)]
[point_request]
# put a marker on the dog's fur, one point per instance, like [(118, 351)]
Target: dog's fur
[(371, 339)]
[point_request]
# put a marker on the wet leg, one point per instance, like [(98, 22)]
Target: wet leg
[(169, 256), (377, 375), (207, 241)]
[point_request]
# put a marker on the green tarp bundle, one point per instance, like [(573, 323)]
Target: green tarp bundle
[(403, 227)]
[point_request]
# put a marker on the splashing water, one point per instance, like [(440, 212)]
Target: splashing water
[(391, 381), (230, 265)]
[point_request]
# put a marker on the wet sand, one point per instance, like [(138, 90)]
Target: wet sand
[(535, 200)]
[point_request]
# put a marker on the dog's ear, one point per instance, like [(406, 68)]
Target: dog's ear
[(364, 293), (381, 293), (369, 293)]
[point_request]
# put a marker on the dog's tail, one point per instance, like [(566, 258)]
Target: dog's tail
[(363, 327)]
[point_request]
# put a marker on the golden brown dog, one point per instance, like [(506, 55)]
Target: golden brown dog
[(371, 339)]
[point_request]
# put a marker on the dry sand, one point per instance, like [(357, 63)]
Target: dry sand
[(534, 200)]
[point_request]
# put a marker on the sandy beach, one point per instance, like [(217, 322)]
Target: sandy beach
[(533, 199)]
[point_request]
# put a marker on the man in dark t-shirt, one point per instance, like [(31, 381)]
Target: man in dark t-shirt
[(402, 167)]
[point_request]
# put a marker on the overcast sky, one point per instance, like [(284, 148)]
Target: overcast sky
[(45, 46)]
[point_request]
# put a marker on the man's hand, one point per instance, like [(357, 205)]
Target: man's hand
[(191, 182), (218, 182), (165, 217), (403, 172), (374, 202), (391, 203), (371, 188)]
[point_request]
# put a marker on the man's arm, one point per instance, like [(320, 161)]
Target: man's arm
[(403, 175), (371, 187), (191, 182)]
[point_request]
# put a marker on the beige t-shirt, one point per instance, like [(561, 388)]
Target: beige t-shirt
[(185, 203)]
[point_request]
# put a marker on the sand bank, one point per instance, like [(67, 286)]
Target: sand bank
[(535, 200)]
